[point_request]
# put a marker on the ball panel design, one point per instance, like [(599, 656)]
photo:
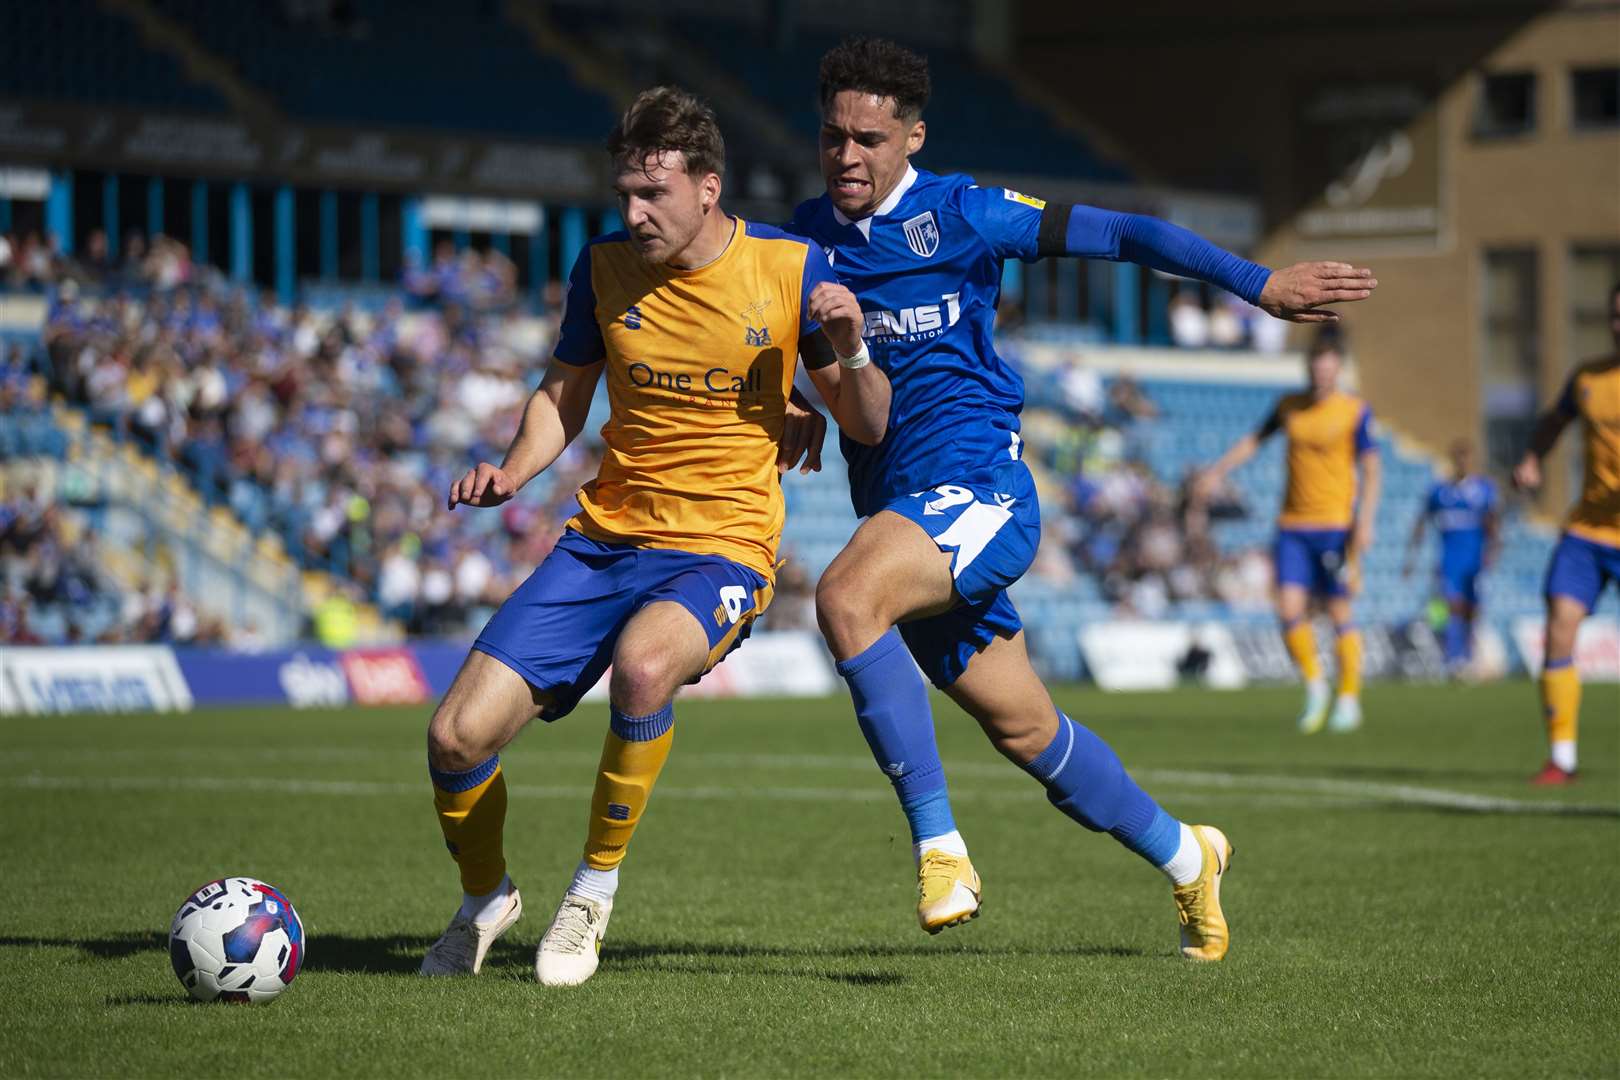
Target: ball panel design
[(236, 939)]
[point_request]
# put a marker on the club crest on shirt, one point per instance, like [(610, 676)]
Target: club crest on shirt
[(922, 234), (755, 313)]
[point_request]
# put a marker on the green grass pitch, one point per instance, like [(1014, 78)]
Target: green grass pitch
[(1402, 902)]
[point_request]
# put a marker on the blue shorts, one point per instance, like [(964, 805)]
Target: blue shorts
[(1460, 581), (991, 526), (1580, 569), (1312, 559), (559, 627)]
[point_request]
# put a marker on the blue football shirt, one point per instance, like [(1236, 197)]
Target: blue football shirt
[(1459, 510), (926, 267)]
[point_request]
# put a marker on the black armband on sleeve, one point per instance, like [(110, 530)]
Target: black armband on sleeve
[(1053, 239), (816, 351)]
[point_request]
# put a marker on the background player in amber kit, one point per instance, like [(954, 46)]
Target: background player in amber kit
[(1587, 557), (1323, 528), (697, 318)]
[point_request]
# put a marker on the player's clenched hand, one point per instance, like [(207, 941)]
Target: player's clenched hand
[(1297, 292), (484, 486), (839, 313), (803, 433), (1527, 474)]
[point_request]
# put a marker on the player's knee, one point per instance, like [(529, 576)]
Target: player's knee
[(844, 609), (453, 745), (643, 681), (1561, 633)]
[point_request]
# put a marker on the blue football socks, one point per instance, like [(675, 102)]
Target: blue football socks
[(1084, 778), (891, 703)]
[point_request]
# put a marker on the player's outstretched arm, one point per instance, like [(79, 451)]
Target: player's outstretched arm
[(554, 416), (1208, 482), (1549, 426), (1297, 293), (855, 389)]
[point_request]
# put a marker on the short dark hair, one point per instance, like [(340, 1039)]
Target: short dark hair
[(668, 119), (879, 67), (1326, 343)]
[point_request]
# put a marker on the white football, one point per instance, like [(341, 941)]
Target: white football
[(236, 939)]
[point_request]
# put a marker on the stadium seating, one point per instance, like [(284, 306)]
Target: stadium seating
[(403, 63), (977, 107), (74, 50)]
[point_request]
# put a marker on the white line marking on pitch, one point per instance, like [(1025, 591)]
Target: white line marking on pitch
[(1241, 788)]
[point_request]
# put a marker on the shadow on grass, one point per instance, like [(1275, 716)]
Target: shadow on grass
[(635, 952), (401, 954), (177, 1000), (337, 953)]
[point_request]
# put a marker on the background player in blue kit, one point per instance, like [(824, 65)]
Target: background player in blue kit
[(951, 513), (1464, 510)]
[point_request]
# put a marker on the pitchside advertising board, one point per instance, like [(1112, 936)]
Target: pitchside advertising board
[(1133, 655), (155, 678)]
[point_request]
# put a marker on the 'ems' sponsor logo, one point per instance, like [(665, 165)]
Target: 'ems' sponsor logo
[(915, 323)]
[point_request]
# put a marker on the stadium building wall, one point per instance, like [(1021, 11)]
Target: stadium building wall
[(1365, 141)]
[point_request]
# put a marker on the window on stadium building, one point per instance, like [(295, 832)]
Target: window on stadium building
[(1507, 104), (1511, 355), (1594, 271), (1596, 96)]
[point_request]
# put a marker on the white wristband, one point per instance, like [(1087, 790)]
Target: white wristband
[(862, 357)]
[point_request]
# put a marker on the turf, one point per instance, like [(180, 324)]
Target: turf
[(1402, 902)]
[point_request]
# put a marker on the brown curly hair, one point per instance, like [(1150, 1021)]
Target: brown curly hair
[(668, 119)]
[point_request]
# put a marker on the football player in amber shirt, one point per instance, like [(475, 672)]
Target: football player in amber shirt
[(1587, 557), (697, 319), (1323, 528)]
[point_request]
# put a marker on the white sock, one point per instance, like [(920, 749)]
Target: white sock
[(486, 908), (1188, 861), (1562, 753), (951, 844), (594, 884)]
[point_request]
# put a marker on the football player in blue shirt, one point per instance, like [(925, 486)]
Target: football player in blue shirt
[(951, 513), (1464, 510)]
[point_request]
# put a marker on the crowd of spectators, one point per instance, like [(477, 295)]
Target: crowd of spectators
[(30, 261), (479, 281), (52, 588), (1222, 321), (341, 431), (1145, 542)]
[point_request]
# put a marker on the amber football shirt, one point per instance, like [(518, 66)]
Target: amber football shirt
[(699, 367)]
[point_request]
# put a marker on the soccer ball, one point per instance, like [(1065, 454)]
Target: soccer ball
[(236, 939)]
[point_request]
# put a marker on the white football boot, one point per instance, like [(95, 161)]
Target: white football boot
[(461, 949), (572, 947), (1346, 715), (948, 891), (1318, 698)]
